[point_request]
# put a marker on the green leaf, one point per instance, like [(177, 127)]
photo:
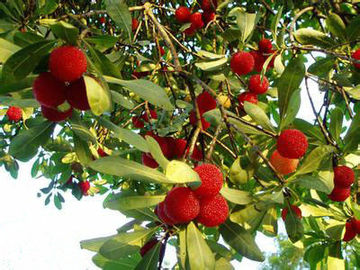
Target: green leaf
[(292, 109), (289, 82), (241, 240), (49, 7), (179, 172), (336, 122), (82, 150), (223, 264), (23, 62), (65, 31), (198, 252), (121, 100), (26, 38), (314, 254), (156, 152), (275, 22), (124, 202), (83, 132), (352, 137), (236, 196), (245, 21), (95, 244), (294, 227), (22, 103), (353, 30), (126, 135), (119, 13), (182, 248), (151, 259), (313, 182), (334, 263), (123, 264), (258, 115), (15, 86), (146, 90), (354, 92), (98, 96), (313, 160), (269, 223), (211, 65), (251, 216), (126, 168), (25, 145), (102, 42), (322, 66), (210, 55), (336, 25), (309, 36), (7, 49)]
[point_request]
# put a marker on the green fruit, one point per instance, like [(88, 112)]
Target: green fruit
[(241, 171)]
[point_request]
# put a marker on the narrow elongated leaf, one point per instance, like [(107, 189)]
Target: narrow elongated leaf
[(102, 42), (294, 227), (353, 30), (179, 172), (22, 103), (119, 13), (151, 259), (236, 196), (245, 21), (96, 243), (65, 31), (292, 109), (336, 25), (156, 152), (7, 49), (269, 223), (121, 100), (17, 85), (258, 115), (98, 95), (352, 137), (82, 150), (123, 264), (211, 65), (83, 133), (182, 248), (198, 252), (26, 38), (289, 82), (309, 36), (336, 122), (123, 202), (322, 66), (312, 182), (241, 240)]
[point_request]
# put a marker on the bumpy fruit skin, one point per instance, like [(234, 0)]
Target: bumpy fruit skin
[(148, 246), (134, 24), (343, 176), (209, 5), (213, 211), (84, 187), (160, 212), (249, 97), (192, 117), (350, 233), (294, 208), (182, 205), (182, 14), (265, 46), (48, 91), (208, 17), (205, 102), (211, 180), (292, 143), (67, 63), (55, 115), (179, 150), (196, 20), (258, 86), (242, 63), (259, 60), (148, 161), (14, 114), (76, 95), (356, 55), (339, 194), (282, 164)]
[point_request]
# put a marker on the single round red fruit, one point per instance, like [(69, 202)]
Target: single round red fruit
[(205, 124), (196, 20), (265, 46), (356, 225), (259, 60), (48, 91), (182, 205), (343, 176), (182, 14), (148, 246), (292, 143), (258, 86), (205, 102), (76, 95), (211, 178), (208, 17), (247, 96), (295, 210), (55, 115), (356, 56), (134, 24), (14, 113), (148, 161), (67, 63), (350, 233), (213, 211), (137, 122), (209, 5), (282, 164), (339, 194), (160, 212), (242, 63), (84, 187)]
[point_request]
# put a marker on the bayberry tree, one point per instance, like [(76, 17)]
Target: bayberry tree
[(183, 114)]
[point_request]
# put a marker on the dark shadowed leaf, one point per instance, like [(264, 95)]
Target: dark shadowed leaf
[(65, 31), (151, 259), (309, 36)]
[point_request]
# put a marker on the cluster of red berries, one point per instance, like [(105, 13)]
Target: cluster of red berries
[(171, 148), (205, 103), (296, 210), (343, 179), (63, 83), (14, 114), (352, 228), (204, 204), (356, 56), (197, 19)]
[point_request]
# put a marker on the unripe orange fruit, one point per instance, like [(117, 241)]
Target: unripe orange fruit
[(282, 164)]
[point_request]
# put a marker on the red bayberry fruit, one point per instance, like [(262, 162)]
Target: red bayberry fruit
[(350, 233), (48, 91), (55, 115), (134, 24), (205, 124), (160, 212), (84, 187), (162, 51), (356, 225), (76, 95), (102, 153), (343, 176), (148, 246), (137, 122), (258, 86), (196, 20), (283, 165), (296, 210), (182, 205), (190, 31), (356, 56), (205, 102), (164, 143), (208, 17), (242, 63), (292, 143), (102, 20), (265, 46), (211, 180), (182, 14), (14, 113), (209, 5), (339, 194), (213, 211), (180, 145), (67, 63), (153, 115), (259, 60), (148, 161), (249, 97)]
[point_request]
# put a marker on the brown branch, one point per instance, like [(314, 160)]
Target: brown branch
[(213, 142), (220, 143)]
